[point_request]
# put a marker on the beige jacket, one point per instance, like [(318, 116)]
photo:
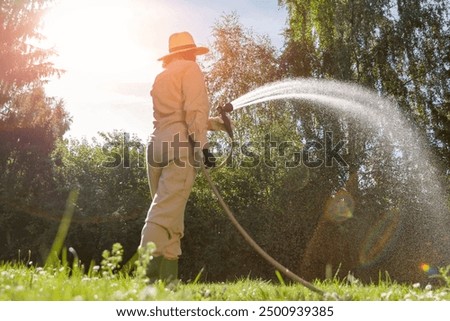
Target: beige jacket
[(179, 95)]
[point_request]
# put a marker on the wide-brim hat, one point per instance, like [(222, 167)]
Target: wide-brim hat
[(183, 42)]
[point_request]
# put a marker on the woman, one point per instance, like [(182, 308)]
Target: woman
[(180, 110)]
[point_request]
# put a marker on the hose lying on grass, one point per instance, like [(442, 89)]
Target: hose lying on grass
[(253, 244)]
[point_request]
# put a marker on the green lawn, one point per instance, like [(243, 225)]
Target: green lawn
[(58, 283)]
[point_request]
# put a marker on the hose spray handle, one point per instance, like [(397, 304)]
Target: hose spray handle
[(223, 110), (227, 108)]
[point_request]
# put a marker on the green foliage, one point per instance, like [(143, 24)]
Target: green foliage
[(111, 260), (144, 257), (111, 204), (394, 47), (444, 275), (114, 195), (23, 65), (239, 61)]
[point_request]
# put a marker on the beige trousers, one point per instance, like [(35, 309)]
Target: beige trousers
[(171, 175)]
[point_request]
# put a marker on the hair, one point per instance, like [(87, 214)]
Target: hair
[(186, 55)]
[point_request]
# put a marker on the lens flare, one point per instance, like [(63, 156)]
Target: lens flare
[(103, 217), (339, 207), (428, 269), (379, 238), (425, 267)]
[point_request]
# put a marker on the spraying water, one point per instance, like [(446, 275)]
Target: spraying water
[(381, 115)]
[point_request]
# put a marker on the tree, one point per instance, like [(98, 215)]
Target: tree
[(113, 192), (30, 125), (23, 64), (235, 52), (395, 47)]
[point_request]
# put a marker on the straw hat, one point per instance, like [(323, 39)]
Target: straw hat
[(182, 42)]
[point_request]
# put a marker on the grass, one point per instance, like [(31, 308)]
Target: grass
[(60, 283), (110, 281)]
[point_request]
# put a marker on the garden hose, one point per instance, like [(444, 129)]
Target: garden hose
[(255, 245)]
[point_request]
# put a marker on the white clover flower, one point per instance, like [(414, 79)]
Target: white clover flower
[(148, 292), (386, 295)]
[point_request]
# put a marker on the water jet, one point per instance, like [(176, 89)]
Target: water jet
[(411, 226)]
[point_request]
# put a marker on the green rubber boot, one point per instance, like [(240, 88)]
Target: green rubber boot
[(169, 270), (163, 269)]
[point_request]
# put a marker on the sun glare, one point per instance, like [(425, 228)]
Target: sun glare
[(98, 45), (91, 36)]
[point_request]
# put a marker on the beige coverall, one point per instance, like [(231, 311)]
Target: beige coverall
[(180, 110)]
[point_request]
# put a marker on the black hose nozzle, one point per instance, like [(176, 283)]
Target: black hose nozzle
[(223, 110), (228, 108)]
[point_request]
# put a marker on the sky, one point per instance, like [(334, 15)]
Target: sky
[(109, 51)]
